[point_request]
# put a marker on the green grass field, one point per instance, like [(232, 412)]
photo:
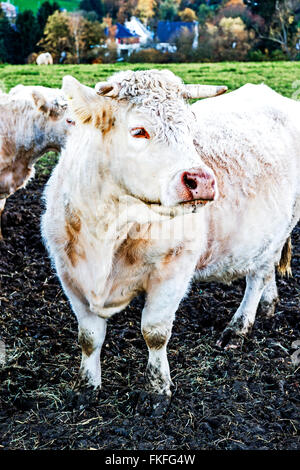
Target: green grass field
[(279, 75), (70, 5)]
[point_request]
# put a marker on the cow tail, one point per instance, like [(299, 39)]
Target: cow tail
[(284, 266)]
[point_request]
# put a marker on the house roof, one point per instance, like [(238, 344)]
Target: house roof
[(137, 27), (123, 32), (169, 30)]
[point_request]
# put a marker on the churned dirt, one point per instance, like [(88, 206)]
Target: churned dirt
[(246, 398)]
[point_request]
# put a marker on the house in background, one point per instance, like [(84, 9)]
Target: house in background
[(10, 10), (169, 31), (133, 35), (137, 27), (126, 41)]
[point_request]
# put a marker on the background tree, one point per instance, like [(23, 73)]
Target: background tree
[(168, 10), (46, 9), (112, 8), (8, 41), (85, 34), (57, 35), (187, 15), (76, 26), (145, 9), (234, 3), (93, 5), (280, 30), (204, 13), (263, 8), (184, 45), (28, 30), (126, 10), (225, 38), (283, 29)]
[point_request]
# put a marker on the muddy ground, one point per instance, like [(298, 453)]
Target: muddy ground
[(237, 399)]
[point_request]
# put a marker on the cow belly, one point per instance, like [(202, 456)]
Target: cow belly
[(237, 263), (229, 261), (243, 245), (225, 270)]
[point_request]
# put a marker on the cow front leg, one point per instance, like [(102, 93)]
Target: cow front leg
[(243, 320), (163, 298), (165, 290), (91, 335), (156, 336), (2, 205)]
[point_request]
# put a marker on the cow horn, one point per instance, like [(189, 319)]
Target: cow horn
[(203, 91), (107, 89)]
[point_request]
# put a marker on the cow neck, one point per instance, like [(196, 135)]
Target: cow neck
[(55, 134)]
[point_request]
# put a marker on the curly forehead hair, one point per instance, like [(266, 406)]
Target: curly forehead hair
[(157, 94)]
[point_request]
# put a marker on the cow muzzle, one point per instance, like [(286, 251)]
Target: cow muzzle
[(195, 185)]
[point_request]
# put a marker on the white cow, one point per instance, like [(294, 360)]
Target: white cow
[(53, 96), (44, 59), (145, 197), (32, 122)]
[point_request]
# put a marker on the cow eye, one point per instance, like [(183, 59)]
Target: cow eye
[(139, 133)]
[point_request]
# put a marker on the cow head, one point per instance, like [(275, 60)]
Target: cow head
[(32, 122), (51, 101), (147, 130)]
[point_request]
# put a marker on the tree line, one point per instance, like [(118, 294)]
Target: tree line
[(227, 30)]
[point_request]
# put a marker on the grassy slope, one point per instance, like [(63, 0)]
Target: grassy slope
[(279, 75), (34, 5)]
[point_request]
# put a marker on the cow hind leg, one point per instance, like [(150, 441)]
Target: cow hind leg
[(243, 320), (269, 298)]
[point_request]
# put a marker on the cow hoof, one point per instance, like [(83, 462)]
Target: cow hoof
[(152, 404), (85, 395), (268, 309), (230, 339), (86, 398)]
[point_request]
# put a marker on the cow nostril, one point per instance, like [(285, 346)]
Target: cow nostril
[(189, 182)]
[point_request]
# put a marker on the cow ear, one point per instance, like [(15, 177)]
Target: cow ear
[(83, 100), (40, 101), (107, 89), (52, 106), (70, 87)]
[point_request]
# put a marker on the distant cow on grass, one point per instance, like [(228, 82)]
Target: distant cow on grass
[(32, 122), (151, 192), (44, 59)]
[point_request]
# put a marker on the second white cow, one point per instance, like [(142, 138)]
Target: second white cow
[(32, 123)]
